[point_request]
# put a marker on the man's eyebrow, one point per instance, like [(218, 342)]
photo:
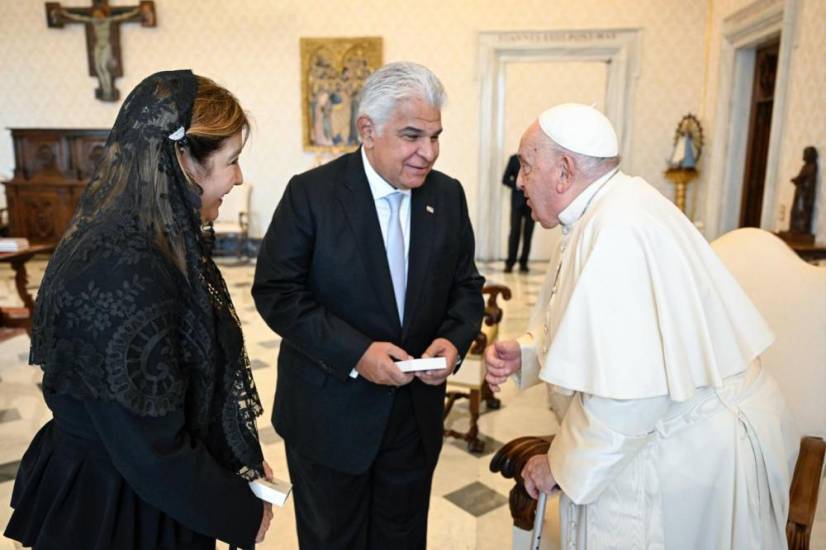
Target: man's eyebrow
[(418, 131)]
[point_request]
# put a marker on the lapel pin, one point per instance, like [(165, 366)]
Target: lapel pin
[(429, 209)]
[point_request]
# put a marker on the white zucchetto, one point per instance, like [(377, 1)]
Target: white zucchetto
[(581, 129)]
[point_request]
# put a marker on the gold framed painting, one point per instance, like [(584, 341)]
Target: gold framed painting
[(333, 71)]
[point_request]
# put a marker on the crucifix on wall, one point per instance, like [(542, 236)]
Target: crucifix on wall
[(102, 23)]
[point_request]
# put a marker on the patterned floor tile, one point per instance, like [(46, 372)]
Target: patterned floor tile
[(268, 436), (8, 470), (476, 499), (258, 364), (9, 415)]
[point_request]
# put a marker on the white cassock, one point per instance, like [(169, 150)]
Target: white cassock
[(674, 437)]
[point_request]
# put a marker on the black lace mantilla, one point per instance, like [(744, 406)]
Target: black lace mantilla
[(132, 308)]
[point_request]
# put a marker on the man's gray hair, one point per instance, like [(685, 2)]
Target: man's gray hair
[(395, 82)]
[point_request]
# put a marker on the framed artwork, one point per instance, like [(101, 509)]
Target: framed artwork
[(333, 71)]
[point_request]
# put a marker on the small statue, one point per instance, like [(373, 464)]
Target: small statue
[(804, 194), (688, 144)]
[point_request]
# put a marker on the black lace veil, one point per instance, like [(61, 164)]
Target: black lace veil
[(132, 308)]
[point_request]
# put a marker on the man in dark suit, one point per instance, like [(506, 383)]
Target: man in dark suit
[(369, 260), (520, 214)]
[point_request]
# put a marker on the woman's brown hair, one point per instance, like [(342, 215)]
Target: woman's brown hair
[(216, 116)]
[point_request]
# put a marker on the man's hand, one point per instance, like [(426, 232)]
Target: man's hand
[(502, 359), (377, 364), (537, 476), (441, 347)]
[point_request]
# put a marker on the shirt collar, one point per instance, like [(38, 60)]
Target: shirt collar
[(574, 211), (379, 186)]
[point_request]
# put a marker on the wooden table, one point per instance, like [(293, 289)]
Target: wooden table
[(810, 252), (21, 317)]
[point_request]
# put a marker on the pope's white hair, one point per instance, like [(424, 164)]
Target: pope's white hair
[(589, 167), (395, 82)]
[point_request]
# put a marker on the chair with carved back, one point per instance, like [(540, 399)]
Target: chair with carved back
[(791, 295), (469, 382), (233, 217)]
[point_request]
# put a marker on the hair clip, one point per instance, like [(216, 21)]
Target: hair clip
[(178, 134), (179, 137)]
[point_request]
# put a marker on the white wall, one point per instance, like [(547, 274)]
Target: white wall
[(530, 88), (805, 112), (252, 48)]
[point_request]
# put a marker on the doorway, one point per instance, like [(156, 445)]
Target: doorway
[(530, 88), (617, 51), (760, 122)]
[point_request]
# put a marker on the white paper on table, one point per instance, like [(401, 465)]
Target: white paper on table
[(430, 363), (275, 491)]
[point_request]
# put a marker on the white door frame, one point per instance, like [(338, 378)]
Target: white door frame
[(620, 48), (742, 32)]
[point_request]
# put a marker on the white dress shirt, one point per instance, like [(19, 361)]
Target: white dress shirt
[(380, 189)]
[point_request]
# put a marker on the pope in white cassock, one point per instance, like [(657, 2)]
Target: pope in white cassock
[(673, 437)]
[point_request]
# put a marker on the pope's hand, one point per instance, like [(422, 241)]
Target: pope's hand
[(502, 359), (537, 476), (378, 364)]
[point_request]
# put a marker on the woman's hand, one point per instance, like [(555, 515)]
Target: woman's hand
[(267, 517), (265, 522)]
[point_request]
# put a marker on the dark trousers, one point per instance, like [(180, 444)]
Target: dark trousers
[(383, 508), (521, 222)]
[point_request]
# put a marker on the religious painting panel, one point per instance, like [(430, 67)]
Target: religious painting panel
[(102, 23), (333, 71)]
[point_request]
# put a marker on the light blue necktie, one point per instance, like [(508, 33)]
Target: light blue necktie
[(395, 251)]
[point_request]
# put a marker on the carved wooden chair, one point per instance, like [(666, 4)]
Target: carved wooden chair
[(233, 217), (791, 294), (469, 382)]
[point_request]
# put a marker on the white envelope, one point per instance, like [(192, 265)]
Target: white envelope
[(431, 363)]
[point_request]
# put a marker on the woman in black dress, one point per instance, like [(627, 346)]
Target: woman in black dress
[(153, 439)]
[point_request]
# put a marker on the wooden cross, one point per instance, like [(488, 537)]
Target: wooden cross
[(102, 23)]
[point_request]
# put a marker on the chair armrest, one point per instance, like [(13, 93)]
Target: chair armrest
[(509, 461), (491, 317), (804, 492), (493, 312), (479, 344)]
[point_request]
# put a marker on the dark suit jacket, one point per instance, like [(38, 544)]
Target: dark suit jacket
[(511, 172), (322, 282)]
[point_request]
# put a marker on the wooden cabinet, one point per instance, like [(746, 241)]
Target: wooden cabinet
[(52, 167)]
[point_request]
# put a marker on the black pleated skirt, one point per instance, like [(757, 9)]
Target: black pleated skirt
[(69, 496)]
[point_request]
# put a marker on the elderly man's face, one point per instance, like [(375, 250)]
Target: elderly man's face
[(408, 146), (540, 177)]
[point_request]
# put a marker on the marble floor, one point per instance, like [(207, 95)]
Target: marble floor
[(468, 508)]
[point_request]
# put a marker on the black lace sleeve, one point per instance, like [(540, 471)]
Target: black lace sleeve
[(116, 332)]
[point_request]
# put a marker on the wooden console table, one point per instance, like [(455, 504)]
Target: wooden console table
[(810, 252), (21, 317), (52, 167)]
